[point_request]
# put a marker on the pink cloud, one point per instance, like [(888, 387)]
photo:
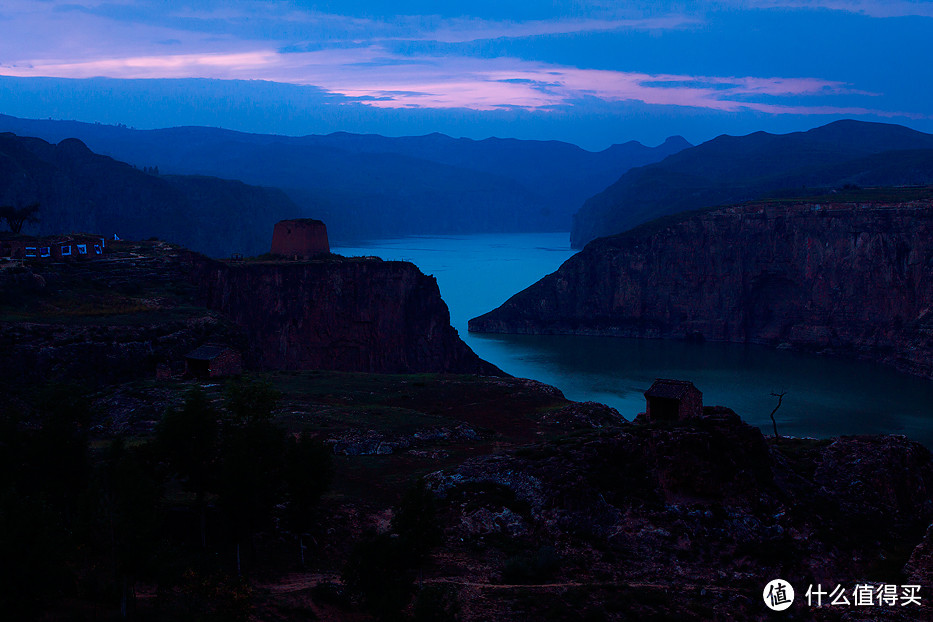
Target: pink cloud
[(872, 8), (386, 81), (222, 66), (463, 30)]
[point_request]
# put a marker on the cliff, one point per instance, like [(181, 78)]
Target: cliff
[(340, 314), (733, 169), (149, 303), (854, 279)]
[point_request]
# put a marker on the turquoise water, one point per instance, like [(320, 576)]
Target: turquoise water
[(825, 396)]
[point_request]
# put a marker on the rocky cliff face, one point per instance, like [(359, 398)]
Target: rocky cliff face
[(349, 315), (145, 304), (847, 278)]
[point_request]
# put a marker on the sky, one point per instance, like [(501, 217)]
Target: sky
[(590, 72)]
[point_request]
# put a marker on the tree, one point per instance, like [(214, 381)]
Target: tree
[(308, 471), (249, 482), (436, 603), (416, 522), (187, 439), (130, 494), (17, 217), (780, 397), (45, 472), (251, 456), (379, 574), (37, 552), (250, 401), (381, 568)]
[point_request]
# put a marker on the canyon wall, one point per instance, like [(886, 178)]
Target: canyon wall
[(147, 304), (364, 315), (852, 279)]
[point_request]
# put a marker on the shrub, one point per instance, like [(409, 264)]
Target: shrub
[(532, 568), (436, 603)]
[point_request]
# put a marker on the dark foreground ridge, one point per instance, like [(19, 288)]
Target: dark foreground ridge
[(300, 494), (531, 507), (851, 278)]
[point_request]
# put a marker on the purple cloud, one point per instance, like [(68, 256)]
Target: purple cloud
[(871, 8), (352, 56), (374, 76)]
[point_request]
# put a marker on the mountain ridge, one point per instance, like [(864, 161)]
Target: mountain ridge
[(79, 190), (732, 169), (428, 184)]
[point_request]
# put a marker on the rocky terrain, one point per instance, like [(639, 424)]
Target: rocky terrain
[(444, 496), (850, 278), (98, 322), (145, 303), (687, 521), (554, 510)]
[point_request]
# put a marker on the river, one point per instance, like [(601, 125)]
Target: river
[(824, 396)]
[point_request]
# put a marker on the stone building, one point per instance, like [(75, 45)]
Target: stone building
[(673, 400), (213, 361), (303, 238)]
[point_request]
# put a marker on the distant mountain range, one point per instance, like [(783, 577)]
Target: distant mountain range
[(369, 185), (79, 190), (731, 169)]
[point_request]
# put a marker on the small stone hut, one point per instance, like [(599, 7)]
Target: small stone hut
[(301, 238), (673, 400), (213, 361)]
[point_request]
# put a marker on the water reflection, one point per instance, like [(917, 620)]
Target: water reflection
[(825, 396)]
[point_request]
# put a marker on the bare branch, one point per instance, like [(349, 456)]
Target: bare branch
[(780, 397)]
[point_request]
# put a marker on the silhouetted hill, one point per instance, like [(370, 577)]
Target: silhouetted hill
[(79, 190), (731, 169), (366, 185)]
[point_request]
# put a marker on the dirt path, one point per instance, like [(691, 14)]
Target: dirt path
[(297, 582)]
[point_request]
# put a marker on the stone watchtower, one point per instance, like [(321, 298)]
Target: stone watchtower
[(302, 238)]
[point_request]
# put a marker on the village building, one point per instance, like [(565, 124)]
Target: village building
[(72, 247), (213, 361), (673, 400), (302, 238)]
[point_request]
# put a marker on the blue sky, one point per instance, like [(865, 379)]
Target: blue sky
[(591, 72)]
